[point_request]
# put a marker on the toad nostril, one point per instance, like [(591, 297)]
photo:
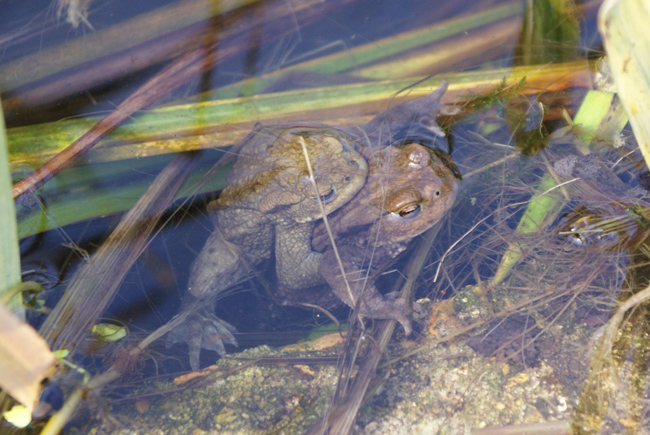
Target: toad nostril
[(436, 194)]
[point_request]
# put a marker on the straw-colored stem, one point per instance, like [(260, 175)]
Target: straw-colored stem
[(224, 122), (626, 36)]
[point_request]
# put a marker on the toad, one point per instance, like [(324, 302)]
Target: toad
[(412, 121), (269, 195), (411, 185), (240, 241), (409, 188)]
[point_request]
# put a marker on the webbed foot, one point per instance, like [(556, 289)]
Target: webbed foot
[(415, 306), (373, 304), (379, 307), (203, 331)]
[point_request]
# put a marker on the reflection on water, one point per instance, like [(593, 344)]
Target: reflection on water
[(545, 239)]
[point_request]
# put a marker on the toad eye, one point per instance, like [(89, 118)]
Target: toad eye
[(328, 197), (410, 211)]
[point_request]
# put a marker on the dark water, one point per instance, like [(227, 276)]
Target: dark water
[(526, 363)]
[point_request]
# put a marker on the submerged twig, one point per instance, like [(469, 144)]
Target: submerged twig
[(95, 284), (606, 368), (551, 427), (614, 324), (346, 406), (172, 77)]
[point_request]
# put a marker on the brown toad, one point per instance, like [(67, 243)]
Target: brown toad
[(221, 263), (413, 121), (269, 195), (409, 188)]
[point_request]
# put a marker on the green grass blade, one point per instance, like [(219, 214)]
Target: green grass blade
[(591, 113), (232, 118), (69, 201), (9, 252), (540, 211), (77, 194)]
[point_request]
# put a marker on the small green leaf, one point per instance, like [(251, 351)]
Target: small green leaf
[(19, 416), (61, 353), (109, 332)]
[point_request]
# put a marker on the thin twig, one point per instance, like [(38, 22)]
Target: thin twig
[(442, 259), (346, 407), (614, 324), (324, 311), (325, 221)]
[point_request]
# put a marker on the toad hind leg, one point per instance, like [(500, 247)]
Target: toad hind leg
[(219, 266)]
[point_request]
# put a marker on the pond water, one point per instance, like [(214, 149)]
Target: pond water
[(517, 283)]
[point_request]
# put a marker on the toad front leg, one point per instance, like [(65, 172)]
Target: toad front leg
[(373, 304), (296, 264)]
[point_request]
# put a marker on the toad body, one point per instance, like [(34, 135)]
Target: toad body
[(269, 195), (409, 188)]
